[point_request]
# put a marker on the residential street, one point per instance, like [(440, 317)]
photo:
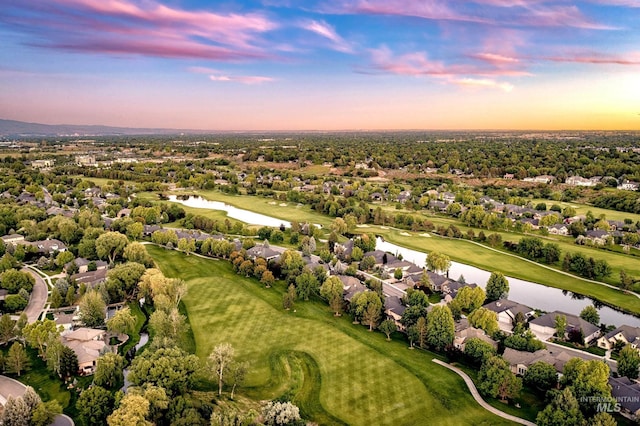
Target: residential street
[(38, 298), (11, 387)]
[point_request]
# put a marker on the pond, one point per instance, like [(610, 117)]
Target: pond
[(233, 212), (535, 295)]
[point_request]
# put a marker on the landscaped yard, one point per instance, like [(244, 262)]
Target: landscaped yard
[(334, 370)]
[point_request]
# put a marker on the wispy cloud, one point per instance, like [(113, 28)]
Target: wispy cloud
[(244, 79), (126, 27), (325, 30), (483, 83)]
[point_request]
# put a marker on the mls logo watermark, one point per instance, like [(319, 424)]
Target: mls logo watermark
[(609, 404)]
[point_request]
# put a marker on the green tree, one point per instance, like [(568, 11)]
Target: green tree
[(438, 262), (267, 278), (332, 290), (63, 258), (440, 327), (590, 314), (485, 319), (135, 230), (306, 284), (94, 405), (289, 298), (495, 379), (7, 328), (365, 305), (221, 358), (122, 322), (133, 410), (170, 368), (136, 252), (628, 362), (541, 375), (238, 372), (280, 413), (587, 379), (16, 412), (92, 309), (110, 245), (17, 359), (562, 410), (45, 413), (108, 372), (478, 350), (13, 281), (497, 287), (56, 298), (470, 299), (603, 419), (560, 324), (388, 327), (38, 333)]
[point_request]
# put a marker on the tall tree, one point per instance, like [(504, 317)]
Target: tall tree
[(440, 327), (108, 372), (438, 262), (388, 326), (221, 357), (332, 290), (16, 412), (93, 309), (496, 379), (170, 368), (563, 410), (590, 314), (485, 319), (17, 359), (497, 287), (239, 372), (38, 333), (541, 375), (110, 245), (7, 328), (628, 362), (133, 410), (94, 405), (560, 324), (122, 322)]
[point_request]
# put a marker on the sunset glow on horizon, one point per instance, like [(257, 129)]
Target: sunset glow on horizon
[(323, 65)]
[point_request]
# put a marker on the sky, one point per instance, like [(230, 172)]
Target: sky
[(322, 64)]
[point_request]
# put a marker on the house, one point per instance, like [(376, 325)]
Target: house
[(544, 326), (404, 196), (506, 310), (262, 251), (351, 286), (88, 344), (464, 332), (49, 246), (627, 394), (90, 279), (43, 164), (83, 264), (508, 176), (520, 361), (580, 181), (628, 185), (343, 250), (86, 160), (451, 288), (13, 239), (625, 334), (598, 236), (558, 229), (148, 230), (381, 257), (540, 179), (394, 309), (66, 320), (376, 196)]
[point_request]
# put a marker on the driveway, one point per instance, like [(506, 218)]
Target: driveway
[(38, 298), (12, 387)]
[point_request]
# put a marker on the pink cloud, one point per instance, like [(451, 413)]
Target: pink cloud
[(325, 30), (483, 83), (425, 9), (597, 59), (244, 79), (124, 27)]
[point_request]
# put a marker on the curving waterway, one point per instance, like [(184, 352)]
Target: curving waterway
[(528, 293), (532, 294)]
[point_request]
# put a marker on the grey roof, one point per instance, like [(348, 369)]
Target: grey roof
[(502, 305), (548, 320), (259, 250), (555, 357), (630, 333), (597, 233), (626, 393), (394, 304)]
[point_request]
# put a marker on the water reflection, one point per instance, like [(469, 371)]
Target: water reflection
[(531, 294)]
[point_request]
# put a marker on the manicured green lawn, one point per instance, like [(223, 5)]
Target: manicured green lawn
[(584, 208), (334, 370)]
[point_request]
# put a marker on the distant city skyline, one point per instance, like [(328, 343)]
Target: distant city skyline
[(323, 65)]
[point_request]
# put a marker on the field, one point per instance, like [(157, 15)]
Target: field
[(335, 371)]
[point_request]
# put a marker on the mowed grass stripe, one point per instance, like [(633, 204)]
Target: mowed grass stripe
[(364, 379)]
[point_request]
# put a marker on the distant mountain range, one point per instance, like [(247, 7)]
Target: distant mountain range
[(12, 129)]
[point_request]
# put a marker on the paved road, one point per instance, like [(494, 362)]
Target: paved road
[(478, 398), (9, 386), (38, 298)]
